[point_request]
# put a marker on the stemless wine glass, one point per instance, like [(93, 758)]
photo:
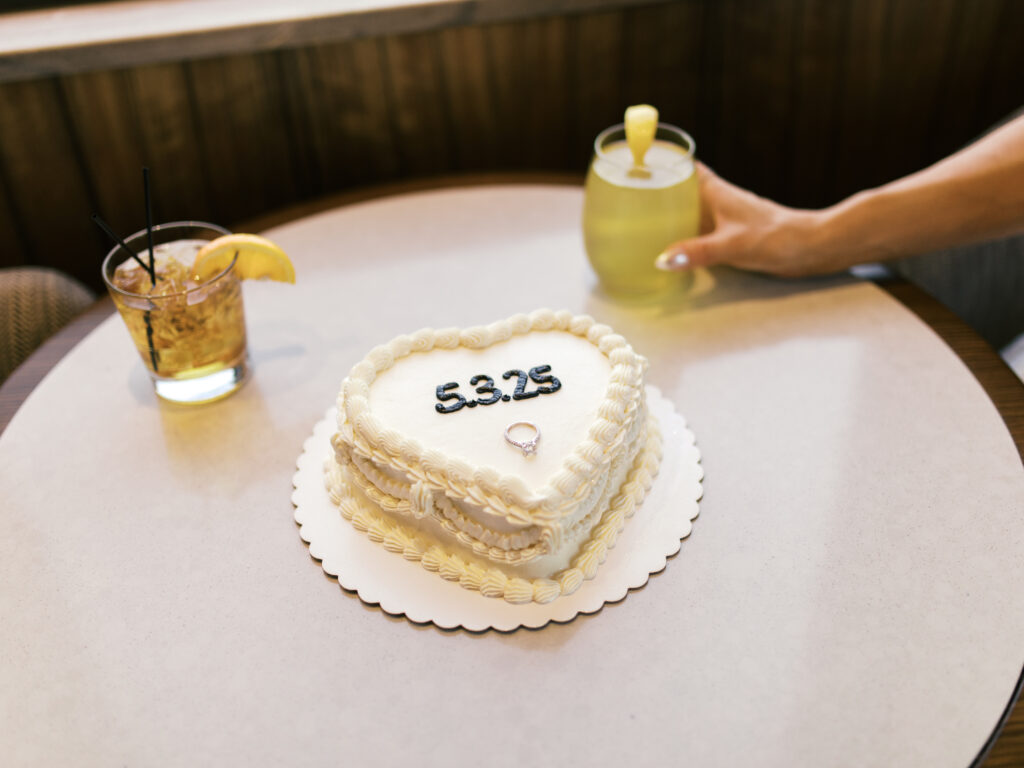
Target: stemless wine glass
[(631, 213), (190, 335)]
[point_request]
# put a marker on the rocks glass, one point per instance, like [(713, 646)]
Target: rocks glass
[(190, 335)]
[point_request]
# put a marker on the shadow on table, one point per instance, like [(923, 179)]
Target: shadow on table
[(202, 444), (711, 288), (722, 312)]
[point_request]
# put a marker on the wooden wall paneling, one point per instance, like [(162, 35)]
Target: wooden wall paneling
[(345, 129), (805, 101), (918, 35), (862, 120), (756, 45), (250, 159), (467, 72), (661, 63), (418, 103), (13, 250), (1004, 85), (528, 70), (47, 181), (104, 118), (958, 106), (596, 76), (550, 142), (305, 173), (167, 129), (819, 49), (313, 78), (709, 93)]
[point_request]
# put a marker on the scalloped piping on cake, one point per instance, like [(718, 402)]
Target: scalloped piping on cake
[(398, 498), (399, 537)]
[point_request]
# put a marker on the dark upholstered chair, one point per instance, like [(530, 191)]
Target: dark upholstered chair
[(984, 284), (35, 303)]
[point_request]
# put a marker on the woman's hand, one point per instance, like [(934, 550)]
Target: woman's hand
[(743, 230), (976, 194)]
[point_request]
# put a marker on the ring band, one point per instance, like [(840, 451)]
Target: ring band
[(528, 447)]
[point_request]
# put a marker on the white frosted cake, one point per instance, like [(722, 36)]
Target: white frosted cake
[(505, 457)]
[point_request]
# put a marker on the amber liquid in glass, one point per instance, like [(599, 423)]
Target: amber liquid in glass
[(190, 334)]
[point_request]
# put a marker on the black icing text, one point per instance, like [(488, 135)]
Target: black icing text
[(484, 384)]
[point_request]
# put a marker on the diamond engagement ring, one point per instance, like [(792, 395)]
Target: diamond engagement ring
[(528, 447)]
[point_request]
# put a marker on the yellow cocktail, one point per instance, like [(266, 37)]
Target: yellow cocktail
[(632, 210)]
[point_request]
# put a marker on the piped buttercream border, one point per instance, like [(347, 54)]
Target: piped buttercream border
[(414, 545)]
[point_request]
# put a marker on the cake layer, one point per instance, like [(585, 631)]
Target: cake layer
[(437, 553), (477, 530)]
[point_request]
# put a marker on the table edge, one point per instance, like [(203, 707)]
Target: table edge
[(17, 387)]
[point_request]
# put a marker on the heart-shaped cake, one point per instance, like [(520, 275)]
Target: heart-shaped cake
[(505, 457)]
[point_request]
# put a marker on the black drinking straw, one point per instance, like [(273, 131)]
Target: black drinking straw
[(116, 238), (149, 223), (152, 261), (153, 357)]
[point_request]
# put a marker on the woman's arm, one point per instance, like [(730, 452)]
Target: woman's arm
[(976, 194)]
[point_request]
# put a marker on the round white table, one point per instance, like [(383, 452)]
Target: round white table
[(850, 594)]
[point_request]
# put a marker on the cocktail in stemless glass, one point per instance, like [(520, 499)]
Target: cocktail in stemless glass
[(190, 334), (631, 213)]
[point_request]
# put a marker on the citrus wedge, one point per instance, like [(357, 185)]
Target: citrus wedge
[(641, 124), (258, 258)]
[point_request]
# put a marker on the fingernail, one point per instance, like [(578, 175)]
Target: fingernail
[(672, 261)]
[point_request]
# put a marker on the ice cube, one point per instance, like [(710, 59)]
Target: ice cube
[(173, 264)]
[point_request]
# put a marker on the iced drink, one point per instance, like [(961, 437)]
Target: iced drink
[(190, 333)]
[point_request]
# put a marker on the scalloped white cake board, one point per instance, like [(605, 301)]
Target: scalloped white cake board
[(401, 587)]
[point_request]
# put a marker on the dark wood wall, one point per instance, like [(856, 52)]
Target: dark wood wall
[(805, 101)]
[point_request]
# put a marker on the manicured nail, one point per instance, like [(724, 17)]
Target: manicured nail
[(672, 261)]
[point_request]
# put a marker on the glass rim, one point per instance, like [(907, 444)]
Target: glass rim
[(158, 228), (691, 145)]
